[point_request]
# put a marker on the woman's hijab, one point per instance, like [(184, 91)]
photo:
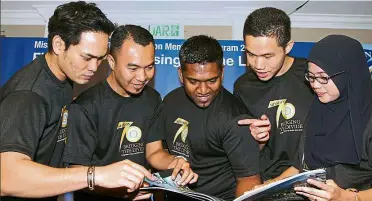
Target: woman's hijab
[(334, 132)]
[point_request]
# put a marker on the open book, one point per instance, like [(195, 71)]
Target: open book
[(164, 182)]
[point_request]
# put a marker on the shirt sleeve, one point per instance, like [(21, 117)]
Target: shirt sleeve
[(22, 121), (81, 137), (156, 129), (241, 149)]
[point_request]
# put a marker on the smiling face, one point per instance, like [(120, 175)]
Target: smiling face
[(133, 67), (325, 92), (202, 82), (265, 56)]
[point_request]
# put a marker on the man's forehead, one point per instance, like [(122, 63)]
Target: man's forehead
[(94, 52), (204, 67), (262, 45)]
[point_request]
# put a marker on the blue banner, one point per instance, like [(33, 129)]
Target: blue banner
[(17, 52)]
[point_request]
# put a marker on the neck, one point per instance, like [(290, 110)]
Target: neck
[(115, 86), (51, 60), (288, 61)]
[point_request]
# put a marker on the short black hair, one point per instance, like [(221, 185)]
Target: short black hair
[(269, 22), (201, 49), (72, 19), (136, 33)]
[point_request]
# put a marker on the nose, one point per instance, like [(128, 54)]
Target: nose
[(141, 75), (259, 63), (203, 88), (93, 65)]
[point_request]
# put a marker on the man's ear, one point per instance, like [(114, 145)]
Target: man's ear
[(289, 47), (180, 76), (223, 70), (58, 45), (111, 62)]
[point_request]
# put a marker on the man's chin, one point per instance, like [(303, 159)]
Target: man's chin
[(265, 79), (202, 105), (135, 92), (81, 81)]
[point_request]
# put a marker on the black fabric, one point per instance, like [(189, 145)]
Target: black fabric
[(335, 130), (105, 127), (289, 92), (218, 149), (356, 176), (33, 116)]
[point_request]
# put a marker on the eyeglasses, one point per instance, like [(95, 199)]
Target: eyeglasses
[(309, 76)]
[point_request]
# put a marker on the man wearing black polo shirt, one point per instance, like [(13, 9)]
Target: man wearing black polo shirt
[(274, 90), (119, 118), (200, 121), (33, 115)]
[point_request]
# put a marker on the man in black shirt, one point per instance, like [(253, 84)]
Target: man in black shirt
[(33, 114), (120, 118), (274, 90), (200, 121)]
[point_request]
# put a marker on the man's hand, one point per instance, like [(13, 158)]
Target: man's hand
[(181, 165), (139, 195), (121, 174), (260, 128), (327, 191)]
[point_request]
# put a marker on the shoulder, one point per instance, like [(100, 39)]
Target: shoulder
[(24, 79), (23, 101), (229, 105), (150, 93), (91, 99), (244, 80), (299, 66), (174, 95), (91, 94)]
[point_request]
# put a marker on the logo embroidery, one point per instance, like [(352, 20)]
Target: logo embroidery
[(183, 130), (287, 110), (132, 133)]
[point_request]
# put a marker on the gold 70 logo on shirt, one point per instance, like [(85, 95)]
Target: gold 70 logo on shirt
[(183, 130), (132, 133), (286, 109)]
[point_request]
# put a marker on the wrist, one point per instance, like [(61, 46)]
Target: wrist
[(177, 157), (352, 194), (98, 176)]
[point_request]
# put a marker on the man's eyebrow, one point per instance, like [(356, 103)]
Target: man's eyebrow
[(266, 54), (133, 65), (190, 78), (138, 66), (94, 56)]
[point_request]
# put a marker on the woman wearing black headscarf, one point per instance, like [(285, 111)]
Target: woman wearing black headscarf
[(339, 128)]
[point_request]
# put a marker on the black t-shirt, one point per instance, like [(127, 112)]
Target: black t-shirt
[(218, 149), (105, 128), (33, 112), (286, 100)]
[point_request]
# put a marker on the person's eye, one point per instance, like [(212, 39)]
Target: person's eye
[(149, 67), (268, 56), (213, 81), (192, 81), (323, 79), (87, 58)]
